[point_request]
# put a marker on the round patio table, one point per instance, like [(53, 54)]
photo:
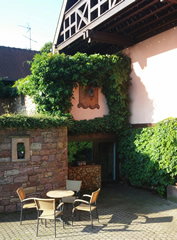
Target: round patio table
[(59, 194)]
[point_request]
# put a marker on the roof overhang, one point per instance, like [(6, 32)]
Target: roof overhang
[(109, 26)]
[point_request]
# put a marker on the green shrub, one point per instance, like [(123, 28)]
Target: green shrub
[(32, 122), (79, 150), (149, 155)]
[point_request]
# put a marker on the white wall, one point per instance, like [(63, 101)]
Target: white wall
[(153, 92)]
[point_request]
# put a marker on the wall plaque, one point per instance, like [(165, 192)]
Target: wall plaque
[(88, 97)]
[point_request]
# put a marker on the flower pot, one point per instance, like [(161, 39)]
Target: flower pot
[(21, 155)]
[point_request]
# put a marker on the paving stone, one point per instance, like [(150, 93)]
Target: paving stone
[(125, 213)]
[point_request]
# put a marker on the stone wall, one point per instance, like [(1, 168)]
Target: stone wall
[(45, 169), (20, 104), (24, 105), (89, 174), (5, 105)]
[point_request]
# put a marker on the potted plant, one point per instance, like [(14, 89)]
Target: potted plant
[(21, 150)]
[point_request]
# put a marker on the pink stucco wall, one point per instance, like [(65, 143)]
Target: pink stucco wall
[(80, 113), (153, 92)]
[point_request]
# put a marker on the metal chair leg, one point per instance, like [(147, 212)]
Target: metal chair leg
[(21, 214), (55, 226), (72, 217), (91, 219), (37, 227), (97, 214)]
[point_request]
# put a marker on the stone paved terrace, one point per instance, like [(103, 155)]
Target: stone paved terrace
[(125, 213)]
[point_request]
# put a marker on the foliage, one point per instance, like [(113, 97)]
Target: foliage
[(149, 155), (20, 147), (55, 76), (78, 149), (7, 91), (32, 122), (50, 84), (46, 48)]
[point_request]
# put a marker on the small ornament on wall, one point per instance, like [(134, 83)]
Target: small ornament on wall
[(88, 97), (20, 148)]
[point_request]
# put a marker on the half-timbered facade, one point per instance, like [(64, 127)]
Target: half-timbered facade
[(106, 26), (146, 31)]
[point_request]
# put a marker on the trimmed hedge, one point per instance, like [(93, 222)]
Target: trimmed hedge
[(149, 155), (33, 122)]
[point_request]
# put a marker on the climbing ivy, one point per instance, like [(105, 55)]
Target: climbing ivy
[(55, 76), (149, 155)]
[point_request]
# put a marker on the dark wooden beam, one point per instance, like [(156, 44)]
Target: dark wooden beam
[(109, 38), (143, 125), (129, 15), (157, 28), (145, 17), (171, 1), (95, 137)]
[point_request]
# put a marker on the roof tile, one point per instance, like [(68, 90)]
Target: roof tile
[(13, 63)]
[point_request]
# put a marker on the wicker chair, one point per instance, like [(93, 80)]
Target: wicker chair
[(46, 210), (88, 206), (26, 203), (75, 186)]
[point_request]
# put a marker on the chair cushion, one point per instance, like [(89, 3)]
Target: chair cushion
[(29, 205), (85, 207)]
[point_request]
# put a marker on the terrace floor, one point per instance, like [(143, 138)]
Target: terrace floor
[(125, 213)]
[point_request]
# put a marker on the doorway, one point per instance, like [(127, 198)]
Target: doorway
[(107, 160), (102, 151)]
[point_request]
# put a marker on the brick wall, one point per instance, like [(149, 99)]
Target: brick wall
[(46, 168), (89, 174)]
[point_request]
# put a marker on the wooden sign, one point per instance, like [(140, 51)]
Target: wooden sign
[(88, 97)]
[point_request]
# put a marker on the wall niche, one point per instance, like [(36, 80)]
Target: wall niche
[(20, 148)]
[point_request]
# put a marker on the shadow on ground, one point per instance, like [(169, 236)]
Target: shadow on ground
[(125, 212)]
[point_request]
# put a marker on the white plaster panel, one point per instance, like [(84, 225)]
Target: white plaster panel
[(154, 79)]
